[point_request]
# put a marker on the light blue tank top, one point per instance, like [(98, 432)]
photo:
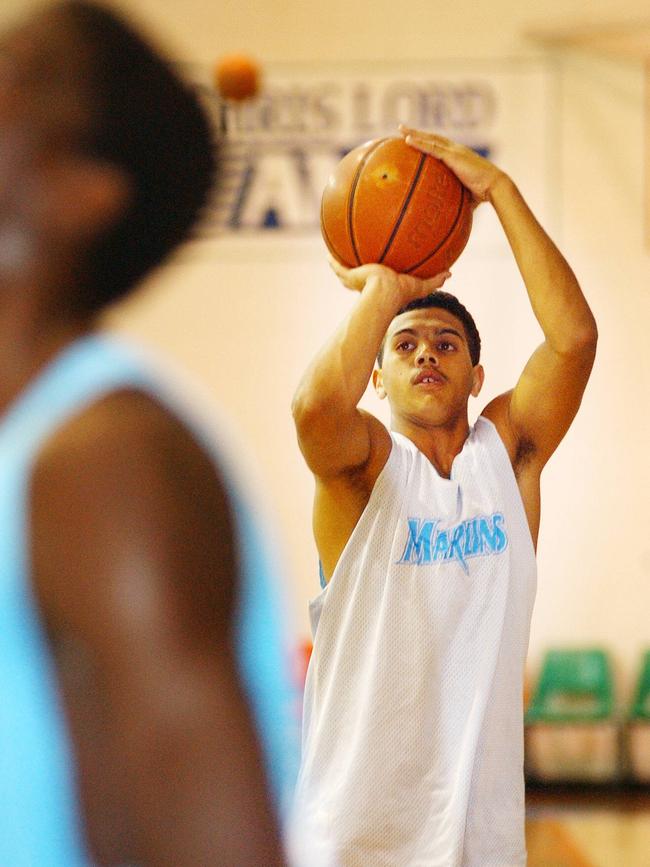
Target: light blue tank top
[(39, 815)]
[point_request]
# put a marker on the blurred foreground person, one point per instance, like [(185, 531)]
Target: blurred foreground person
[(137, 613)]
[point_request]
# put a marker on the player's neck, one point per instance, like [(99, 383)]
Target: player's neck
[(30, 338), (440, 443)]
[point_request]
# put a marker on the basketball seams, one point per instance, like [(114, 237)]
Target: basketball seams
[(326, 237), (353, 190), (407, 201), (388, 204), (444, 240)]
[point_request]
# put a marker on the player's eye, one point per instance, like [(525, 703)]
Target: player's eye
[(446, 346), (404, 346)]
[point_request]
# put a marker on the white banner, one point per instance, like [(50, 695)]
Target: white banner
[(279, 148)]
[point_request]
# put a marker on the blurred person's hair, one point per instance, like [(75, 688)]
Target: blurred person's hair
[(149, 123)]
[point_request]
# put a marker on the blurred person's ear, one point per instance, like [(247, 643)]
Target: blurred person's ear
[(81, 198)]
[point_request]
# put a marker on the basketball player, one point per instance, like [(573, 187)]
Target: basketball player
[(136, 612), (413, 718)]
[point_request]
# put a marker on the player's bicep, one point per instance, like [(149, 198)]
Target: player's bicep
[(332, 445), (130, 521), (537, 413)]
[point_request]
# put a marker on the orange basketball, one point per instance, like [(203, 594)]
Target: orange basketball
[(237, 76), (389, 203)]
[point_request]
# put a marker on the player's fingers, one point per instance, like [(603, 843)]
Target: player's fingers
[(419, 287), (424, 141), (427, 145), (423, 134), (342, 274), (336, 266), (433, 283), (352, 278)]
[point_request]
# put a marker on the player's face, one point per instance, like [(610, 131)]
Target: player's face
[(43, 82), (427, 372), (42, 117)]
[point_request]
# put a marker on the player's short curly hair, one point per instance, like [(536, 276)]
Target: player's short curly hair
[(450, 303), (149, 123)]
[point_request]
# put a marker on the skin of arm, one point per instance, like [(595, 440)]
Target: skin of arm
[(535, 415), (334, 435), (344, 447), (135, 573)]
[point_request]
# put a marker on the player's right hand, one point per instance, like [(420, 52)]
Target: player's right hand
[(405, 286), (478, 174)]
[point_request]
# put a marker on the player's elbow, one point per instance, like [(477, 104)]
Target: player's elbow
[(581, 341), (318, 429), (299, 409), (585, 339), (307, 409)]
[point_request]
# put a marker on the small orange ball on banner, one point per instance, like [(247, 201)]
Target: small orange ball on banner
[(237, 77)]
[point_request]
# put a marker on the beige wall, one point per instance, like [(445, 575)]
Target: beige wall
[(277, 30), (247, 326)]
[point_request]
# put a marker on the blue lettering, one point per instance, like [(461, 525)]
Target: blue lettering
[(468, 535), (495, 538), (442, 544), (418, 544), (499, 536), (478, 537), (455, 549)]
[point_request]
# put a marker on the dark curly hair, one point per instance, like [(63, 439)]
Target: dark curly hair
[(450, 303), (149, 123)]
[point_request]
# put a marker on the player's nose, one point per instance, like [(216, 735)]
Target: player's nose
[(426, 355)]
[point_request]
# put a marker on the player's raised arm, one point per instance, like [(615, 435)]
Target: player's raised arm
[(536, 414), (334, 435)]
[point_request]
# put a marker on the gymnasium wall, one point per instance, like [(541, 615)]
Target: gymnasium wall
[(247, 324)]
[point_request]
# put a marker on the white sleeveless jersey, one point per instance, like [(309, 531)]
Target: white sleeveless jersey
[(413, 711)]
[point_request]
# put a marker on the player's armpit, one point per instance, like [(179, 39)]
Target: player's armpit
[(135, 574), (340, 500), (533, 418)]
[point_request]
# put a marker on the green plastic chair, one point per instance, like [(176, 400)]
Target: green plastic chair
[(574, 686), (641, 702)]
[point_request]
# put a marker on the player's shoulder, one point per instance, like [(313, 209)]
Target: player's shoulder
[(125, 505), (125, 441), (127, 414)]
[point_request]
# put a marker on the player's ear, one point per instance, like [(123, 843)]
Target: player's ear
[(478, 376), (378, 382), (85, 196)]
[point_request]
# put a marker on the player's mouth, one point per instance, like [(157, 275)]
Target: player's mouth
[(429, 377)]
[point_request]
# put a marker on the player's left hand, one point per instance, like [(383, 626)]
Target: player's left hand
[(474, 171), (406, 287)]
